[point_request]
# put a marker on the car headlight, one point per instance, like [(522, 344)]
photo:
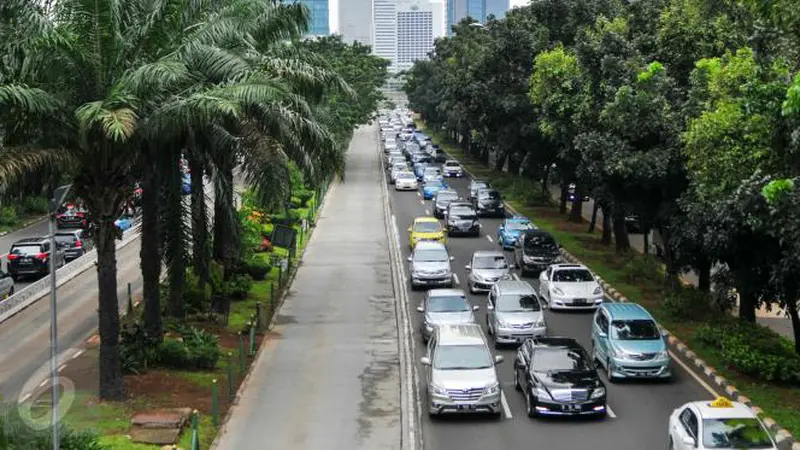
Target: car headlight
[(599, 392), (558, 291), (493, 388), (541, 393), (663, 354), (438, 390), (540, 324), (477, 277), (502, 323), (598, 291)]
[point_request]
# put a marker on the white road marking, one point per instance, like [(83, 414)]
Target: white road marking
[(418, 194), (422, 201), (44, 382), (78, 354), (427, 212), (504, 402), (489, 238), (25, 397), (697, 378), (455, 279), (610, 412), (62, 367), (515, 276)]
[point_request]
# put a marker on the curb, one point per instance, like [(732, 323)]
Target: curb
[(245, 382)]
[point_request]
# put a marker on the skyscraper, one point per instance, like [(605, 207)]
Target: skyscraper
[(319, 23), (384, 29), (459, 9), (419, 23), (498, 8), (355, 20)]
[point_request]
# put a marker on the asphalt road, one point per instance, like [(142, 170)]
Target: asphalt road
[(640, 411), (329, 375)]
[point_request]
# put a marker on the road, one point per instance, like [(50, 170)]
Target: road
[(640, 410), (329, 378)]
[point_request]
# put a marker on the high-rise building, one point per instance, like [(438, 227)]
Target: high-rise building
[(355, 20), (319, 22), (384, 29), (457, 10), (497, 8), (419, 23)]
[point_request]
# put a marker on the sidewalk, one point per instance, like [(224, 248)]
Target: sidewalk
[(331, 379)]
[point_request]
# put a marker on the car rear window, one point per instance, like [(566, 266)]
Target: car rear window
[(26, 250), (65, 238)]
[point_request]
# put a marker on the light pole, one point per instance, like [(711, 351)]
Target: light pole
[(59, 195)]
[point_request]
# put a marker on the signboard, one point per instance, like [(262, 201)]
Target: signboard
[(283, 236)]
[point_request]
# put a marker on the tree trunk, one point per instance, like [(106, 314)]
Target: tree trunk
[(704, 275), (593, 222), (623, 244), (795, 318), (646, 241), (224, 220), (747, 306), (605, 208), (546, 185), (562, 207), (514, 164), (576, 213), (111, 386), (671, 280), (150, 254), (175, 245), (200, 236)]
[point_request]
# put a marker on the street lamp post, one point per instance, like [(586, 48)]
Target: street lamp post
[(59, 195)]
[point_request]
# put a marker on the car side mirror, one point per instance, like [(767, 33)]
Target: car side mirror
[(664, 333), (476, 308), (468, 267), (425, 361), (512, 266), (543, 305), (602, 334), (408, 259), (420, 308), (498, 359), (409, 229), (688, 441), (490, 307), (452, 258)]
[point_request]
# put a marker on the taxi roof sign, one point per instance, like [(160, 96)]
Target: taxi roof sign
[(721, 402)]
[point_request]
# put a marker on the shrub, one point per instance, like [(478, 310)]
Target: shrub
[(137, 350), (16, 434), (217, 275), (238, 286), (196, 297), (35, 205), (754, 350), (203, 348), (8, 215), (257, 268), (304, 197), (689, 304), (175, 354), (295, 202), (641, 268)]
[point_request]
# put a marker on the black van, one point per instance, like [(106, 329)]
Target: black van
[(31, 256), (535, 250)]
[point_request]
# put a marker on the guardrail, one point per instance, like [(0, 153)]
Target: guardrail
[(35, 291)]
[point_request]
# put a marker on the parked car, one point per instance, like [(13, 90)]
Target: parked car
[(31, 257), (429, 265), (514, 313), (444, 307), (488, 202), (485, 269), (73, 243), (570, 286), (535, 250), (6, 285)]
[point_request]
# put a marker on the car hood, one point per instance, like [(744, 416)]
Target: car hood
[(463, 379), (447, 318), (441, 204), (432, 188), (511, 233), (434, 235), (430, 266), (639, 347), (539, 252), (519, 317), (568, 380), (572, 289), (489, 201), (490, 273)]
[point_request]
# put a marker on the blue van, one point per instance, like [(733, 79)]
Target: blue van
[(628, 343)]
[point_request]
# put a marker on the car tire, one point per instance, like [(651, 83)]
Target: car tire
[(529, 409), (609, 372), (11, 291), (472, 288), (517, 386), (15, 277)]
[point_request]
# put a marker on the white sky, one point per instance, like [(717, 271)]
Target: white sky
[(333, 15), (513, 3)]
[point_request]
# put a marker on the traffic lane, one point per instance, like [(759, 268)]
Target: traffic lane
[(641, 409), (25, 352)]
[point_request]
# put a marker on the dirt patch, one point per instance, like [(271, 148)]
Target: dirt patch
[(163, 389)]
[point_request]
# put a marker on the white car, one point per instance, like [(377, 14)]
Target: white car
[(406, 181), (397, 168), (6, 285), (570, 286), (394, 154), (720, 424), (452, 168)]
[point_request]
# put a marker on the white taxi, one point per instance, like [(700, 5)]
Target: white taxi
[(720, 424)]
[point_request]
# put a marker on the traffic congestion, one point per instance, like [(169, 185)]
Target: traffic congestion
[(514, 344)]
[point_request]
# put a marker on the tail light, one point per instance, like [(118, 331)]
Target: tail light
[(78, 243), (42, 256), (12, 257)]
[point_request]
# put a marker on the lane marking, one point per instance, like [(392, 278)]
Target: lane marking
[(25, 397), (489, 238), (455, 278), (78, 354), (697, 378), (418, 194), (43, 383), (62, 367), (427, 212), (610, 411), (515, 276), (422, 201), (504, 402)]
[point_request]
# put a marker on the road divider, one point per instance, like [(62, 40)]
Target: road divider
[(37, 290)]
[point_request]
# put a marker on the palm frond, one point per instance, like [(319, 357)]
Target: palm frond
[(307, 79), (17, 162), (22, 99)]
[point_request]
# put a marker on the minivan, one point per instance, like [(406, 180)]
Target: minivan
[(628, 342), (514, 313), (31, 256), (460, 372), (535, 250)]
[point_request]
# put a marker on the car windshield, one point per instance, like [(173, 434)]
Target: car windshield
[(463, 213), (26, 250), (451, 164), (65, 238), (447, 196), (407, 175), (427, 227), (432, 255), (447, 303), (516, 225), (560, 360), (434, 184), (462, 357), (541, 242), (490, 262), (735, 433), (489, 195), (517, 303), (635, 330), (572, 275)]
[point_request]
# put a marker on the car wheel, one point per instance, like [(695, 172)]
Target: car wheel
[(15, 277), (11, 291), (488, 327), (609, 372), (594, 355), (529, 406), (517, 386)]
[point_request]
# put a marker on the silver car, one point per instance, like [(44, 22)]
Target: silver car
[(444, 307), (460, 372), (397, 169), (514, 313), (485, 269), (429, 265), (6, 285)]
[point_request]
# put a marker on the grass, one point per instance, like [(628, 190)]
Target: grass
[(631, 277)]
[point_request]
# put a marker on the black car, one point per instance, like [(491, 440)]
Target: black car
[(31, 257), (474, 186), (558, 378), (462, 219), (420, 158), (441, 200), (73, 242), (633, 224), (535, 250), (488, 202)]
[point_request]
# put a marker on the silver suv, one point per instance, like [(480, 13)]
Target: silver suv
[(430, 265), (514, 313), (444, 307), (460, 372), (485, 269)]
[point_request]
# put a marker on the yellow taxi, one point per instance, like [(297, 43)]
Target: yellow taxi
[(426, 229)]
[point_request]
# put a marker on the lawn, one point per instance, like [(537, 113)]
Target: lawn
[(639, 280)]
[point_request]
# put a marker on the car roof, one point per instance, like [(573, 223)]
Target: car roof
[(446, 292), (514, 287), (556, 342), (30, 240), (626, 311), (451, 161), (426, 219), (730, 410), (568, 266), (518, 219), (460, 334), (429, 245), (448, 191), (489, 253)]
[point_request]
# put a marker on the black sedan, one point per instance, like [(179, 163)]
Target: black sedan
[(558, 378), (461, 219)]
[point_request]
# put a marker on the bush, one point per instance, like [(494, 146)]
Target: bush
[(8, 215), (689, 304), (35, 205), (304, 197), (257, 268), (295, 202), (237, 287), (203, 348), (196, 297), (16, 434), (173, 353), (754, 350), (640, 268)]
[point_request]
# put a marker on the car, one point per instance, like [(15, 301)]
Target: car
[(534, 251), (394, 160), (419, 170), (719, 424), (558, 378), (419, 158), (429, 265), (432, 172), (441, 200), (72, 215), (460, 372), (508, 232), (31, 257), (452, 168), (405, 181), (389, 145), (6, 285), (124, 223), (628, 342), (444, 307), (570, 286), (485, 268), (460, 218), (514, 313), (73, 242), (474, 186), (425, 229), (488, 202), (186, 184), (394, 154), (397, 168), (431, 187)]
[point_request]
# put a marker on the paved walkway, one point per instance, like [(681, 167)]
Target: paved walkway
[(331, 379)]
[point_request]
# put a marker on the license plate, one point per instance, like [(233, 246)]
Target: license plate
[(466, 407), (579, 301)]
